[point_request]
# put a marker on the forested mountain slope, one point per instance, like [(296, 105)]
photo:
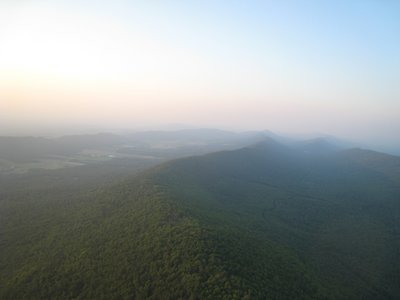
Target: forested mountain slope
[(263, 222), (339, 212)]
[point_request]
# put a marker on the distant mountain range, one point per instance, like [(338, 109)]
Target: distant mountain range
[(161, 143)]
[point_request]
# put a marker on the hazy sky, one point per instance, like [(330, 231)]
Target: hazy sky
[(292, 66)]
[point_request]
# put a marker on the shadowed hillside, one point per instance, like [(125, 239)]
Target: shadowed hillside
[(262, 222)]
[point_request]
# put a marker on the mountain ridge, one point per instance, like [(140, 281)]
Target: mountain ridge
[(264, 221)]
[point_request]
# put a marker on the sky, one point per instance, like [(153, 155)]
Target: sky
[(287, 66)]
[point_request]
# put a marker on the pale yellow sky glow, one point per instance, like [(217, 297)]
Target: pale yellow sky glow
[(203, 64)]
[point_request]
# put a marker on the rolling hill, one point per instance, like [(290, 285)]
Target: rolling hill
[(268, 221)]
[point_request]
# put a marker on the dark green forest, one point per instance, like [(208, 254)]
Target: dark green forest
[(263, 222)]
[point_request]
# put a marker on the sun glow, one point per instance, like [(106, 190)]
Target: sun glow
[(65, 46), (57, 44)]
